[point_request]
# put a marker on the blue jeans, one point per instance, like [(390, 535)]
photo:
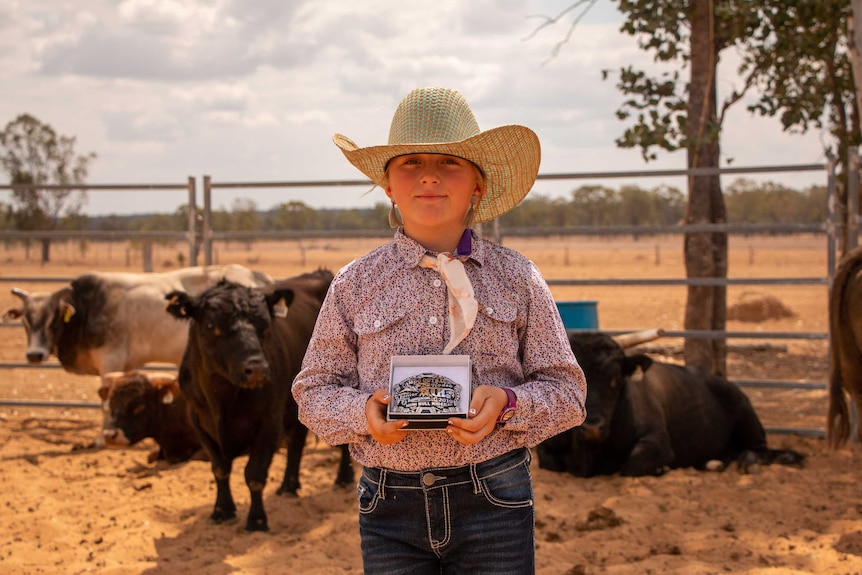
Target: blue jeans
[(476, 519)]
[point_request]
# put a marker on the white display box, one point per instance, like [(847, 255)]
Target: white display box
[(427, 390)]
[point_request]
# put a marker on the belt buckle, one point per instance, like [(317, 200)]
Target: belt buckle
[(426, 393)]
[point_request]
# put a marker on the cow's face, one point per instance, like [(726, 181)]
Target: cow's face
[(134, 400), (230, 324), (43, 316), (607, 370)]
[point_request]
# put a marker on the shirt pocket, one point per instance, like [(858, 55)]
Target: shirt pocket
[(374, 320), (498, 311), (494, 341)]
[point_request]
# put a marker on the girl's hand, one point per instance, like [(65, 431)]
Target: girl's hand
[(487, 403), (385, 432)]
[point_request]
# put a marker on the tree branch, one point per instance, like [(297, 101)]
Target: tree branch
[(734, 98), (548, 21)]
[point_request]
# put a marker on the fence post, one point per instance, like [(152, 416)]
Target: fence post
[(193, 216), (207, 222), (147, 254)]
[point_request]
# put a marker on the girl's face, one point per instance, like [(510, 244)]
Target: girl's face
[(433, 192)]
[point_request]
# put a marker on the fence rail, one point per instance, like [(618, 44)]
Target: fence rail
[(688, 281), (190, 235)]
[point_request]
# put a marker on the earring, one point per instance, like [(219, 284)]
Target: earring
[(394, 217), (470, 216)]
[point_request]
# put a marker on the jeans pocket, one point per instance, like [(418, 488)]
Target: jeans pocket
[(367, 494), (511, 488)]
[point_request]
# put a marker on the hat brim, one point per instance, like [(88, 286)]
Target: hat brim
[(509, 157)]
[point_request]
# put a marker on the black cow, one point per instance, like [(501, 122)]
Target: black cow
[(236, 375), (670, 417), (144, 406)]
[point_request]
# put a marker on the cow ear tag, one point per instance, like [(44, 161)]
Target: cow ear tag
[(68, 313), (280, 308), (168, 397), (173, 301)]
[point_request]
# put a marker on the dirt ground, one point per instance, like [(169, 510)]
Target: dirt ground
[(70, 509)]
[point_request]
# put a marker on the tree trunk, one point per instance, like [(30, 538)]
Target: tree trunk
[(705, 253), (854, 41), (854, 46)]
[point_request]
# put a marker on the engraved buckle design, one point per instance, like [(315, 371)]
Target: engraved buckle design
[(426, 393)]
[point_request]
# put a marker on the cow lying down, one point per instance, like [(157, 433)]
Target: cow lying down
[(667, 417), (149, 405)]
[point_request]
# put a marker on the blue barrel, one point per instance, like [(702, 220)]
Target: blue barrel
[(579, 314)]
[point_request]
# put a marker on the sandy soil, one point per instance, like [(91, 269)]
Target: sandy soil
[(69, 509)]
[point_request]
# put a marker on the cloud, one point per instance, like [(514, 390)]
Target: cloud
[(172, 41), (142, 125), (235, 96), (167, 17)]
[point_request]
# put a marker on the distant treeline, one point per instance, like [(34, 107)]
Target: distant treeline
[(746, 202)]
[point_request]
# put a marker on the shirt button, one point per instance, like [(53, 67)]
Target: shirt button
[(377, 323), (490, 310), (432, 320), (437, 283)]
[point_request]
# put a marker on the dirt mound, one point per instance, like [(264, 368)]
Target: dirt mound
[(755, 307)]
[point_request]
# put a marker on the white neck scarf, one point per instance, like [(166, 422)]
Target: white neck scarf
[(463, 307)]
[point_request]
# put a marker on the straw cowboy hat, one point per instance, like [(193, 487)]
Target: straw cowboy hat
[(439, 121)]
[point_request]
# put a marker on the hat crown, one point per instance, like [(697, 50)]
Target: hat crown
[(432, 116)]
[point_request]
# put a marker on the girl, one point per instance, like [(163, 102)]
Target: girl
[(457, 499)]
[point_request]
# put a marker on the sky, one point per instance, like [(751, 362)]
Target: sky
[(253, 90)]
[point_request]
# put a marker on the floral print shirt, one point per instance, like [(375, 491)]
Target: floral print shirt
[(386, 304)]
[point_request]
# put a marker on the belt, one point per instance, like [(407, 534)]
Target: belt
[(438, 477)]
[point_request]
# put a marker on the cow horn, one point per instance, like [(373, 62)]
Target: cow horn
[(19, 292), (626, 340)]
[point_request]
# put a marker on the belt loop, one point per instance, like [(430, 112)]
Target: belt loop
[(381, 488), (474, 477)]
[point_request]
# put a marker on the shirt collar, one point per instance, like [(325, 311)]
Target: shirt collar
[(412, 251), (465, 245)]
